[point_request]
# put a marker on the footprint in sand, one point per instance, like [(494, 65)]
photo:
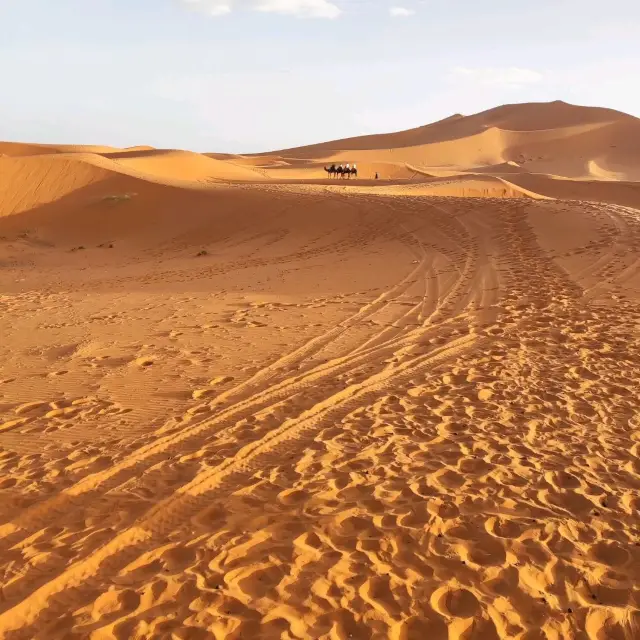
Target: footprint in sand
[(455, 602)]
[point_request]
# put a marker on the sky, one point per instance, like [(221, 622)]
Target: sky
[(244, 76)]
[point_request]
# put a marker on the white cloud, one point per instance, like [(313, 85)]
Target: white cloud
[(494, 76), (400, 12), (300, 8), (210, 7), (304, 8)]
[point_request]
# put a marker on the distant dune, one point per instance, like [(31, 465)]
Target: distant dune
[(521, 124), (545, 150), (528, 145), (550, 138)]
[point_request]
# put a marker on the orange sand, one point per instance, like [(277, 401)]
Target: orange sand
[(240, 400)]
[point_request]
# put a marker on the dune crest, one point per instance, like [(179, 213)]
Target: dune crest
[(541, 142), (544, 139)]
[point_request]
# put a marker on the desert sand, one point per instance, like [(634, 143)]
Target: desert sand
[(241, 400)]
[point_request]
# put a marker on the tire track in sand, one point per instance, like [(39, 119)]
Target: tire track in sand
[(187, 501), (247, 401), (191, 497)]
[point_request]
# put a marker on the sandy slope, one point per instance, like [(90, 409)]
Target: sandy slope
[(237, 405), (547, 139), (552, 150), (33, 180)]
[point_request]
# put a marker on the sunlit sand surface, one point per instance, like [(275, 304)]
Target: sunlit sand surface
[(241, 400)]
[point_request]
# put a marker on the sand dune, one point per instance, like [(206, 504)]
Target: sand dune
[(533, 117), (541, 143), (552, 138), (170, 165), (21, 149), (32, 181), (241, 400)]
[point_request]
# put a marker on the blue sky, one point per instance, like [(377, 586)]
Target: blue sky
[(254, 75)]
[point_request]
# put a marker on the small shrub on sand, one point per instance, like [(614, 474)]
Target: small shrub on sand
[(119, 197)]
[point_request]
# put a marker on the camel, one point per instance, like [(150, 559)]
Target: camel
[(332, 171), (347, 173), (341, 172)]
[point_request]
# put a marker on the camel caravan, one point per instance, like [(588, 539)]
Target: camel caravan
[(340, 171)]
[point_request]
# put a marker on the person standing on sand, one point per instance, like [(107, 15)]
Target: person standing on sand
[(376, 175)]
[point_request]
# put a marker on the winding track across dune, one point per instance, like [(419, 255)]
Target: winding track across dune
[(456, 456)]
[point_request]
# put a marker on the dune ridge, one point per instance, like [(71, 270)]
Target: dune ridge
[(550, 138), (538, 143)]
